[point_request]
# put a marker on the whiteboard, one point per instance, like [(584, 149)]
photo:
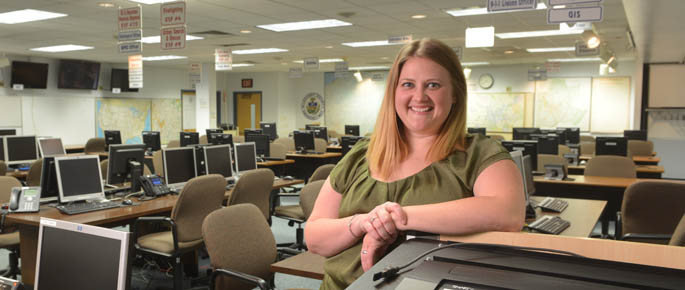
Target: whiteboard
[(11, 112), (610, 104), (666, 85), (70, 118)]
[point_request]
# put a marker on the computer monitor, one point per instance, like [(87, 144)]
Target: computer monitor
[(559, 132), (8, 132), (215, 130), (152, 141), (528, 147), (112, 137), (524, 133), (611, 146), (221, 139), (269, 129), (218, 160), (572, 135), (547, 144), (348, 142), (245, 157), (304, 140), (309, 126), (352, 130), (320, 132), (20, 149), (189, 138), (79, 178), (78, 256), (2, 149), (49, 191), (635, 134), (179, 165), (51, 147), (476, 130), (261, 144), (126, 163), (253, 132)]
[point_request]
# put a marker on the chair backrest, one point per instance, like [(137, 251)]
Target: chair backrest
[(334, 134), (277, 150), (497, 138), (157, 162), (641, 147), (563, 149), (587, 148), (308, 196), (321, 173), (238, 139), (199, 197), (3, 168), (678, 237), (320, 145), (652, 206), (587, 139), (173, 144), (611, 166), (544, 159), (288, 142), (6, 184), (238, 238), (94, 145), (35, 171), (254, 187), (203, 139)]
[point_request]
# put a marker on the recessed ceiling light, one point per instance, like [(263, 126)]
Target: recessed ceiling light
[(27, 15), (106, 4), (550, 49), (484, 10), (329, 46), (369, 43), (377, 67), (162, 57), (61, 48), (246, 31), (242, 64), (324, 60), (418, 16), (508, 51), (538, 33), (577, 59), (475, 63), (152, 1), (259, 50), (156, 38), (480, 37), (302, 25), (385, 57)]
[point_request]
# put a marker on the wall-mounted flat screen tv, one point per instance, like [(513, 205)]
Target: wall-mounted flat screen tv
[(78, 74), (32, 75), (120, 80)]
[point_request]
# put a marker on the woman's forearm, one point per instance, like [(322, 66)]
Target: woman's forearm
[(328, 237)]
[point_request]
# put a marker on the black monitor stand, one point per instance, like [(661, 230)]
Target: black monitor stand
[(136, 169)]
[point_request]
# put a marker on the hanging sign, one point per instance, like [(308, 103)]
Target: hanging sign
[(571, 2), (223, 59), (135, 71), (129, 18), (130, 47), (507, 5), (173, 37), (577, 14), (583, 50), (311, 63), (130, 35), (173, 13)]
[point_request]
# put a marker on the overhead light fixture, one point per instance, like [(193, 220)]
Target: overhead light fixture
[(480, 36), (418, 16), (245, 31), (484, 10), (475, 63), (242, 64), (467, 73), (61, 48), (106, 4), (358, 76), (369, 43), (163, 57), (576, 59), (538, 33), (550, 49), (149, 2), (156, 38), (329, 46), (303, 25), (27, 15), (324, 60), (603, 69), (376, 67), (508, 51), (259, 50), (591, 39)]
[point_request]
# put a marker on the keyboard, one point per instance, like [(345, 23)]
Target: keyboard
[(549, 225), (81, 207), (553, 204)]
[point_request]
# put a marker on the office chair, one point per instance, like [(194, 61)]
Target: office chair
[(321, 173), (9, 240), (94, 145), (299, 213), (3, 168), (157, 162), (678, 237), (238, 139), (203, 140), (199, 197), (33, 176), (254, 187), (587, 139), (498, 138), (241, 248), (641, 147), (587, 148), (650, 211), (544, 159), (288, 142), (277, 150), (611, 166), (563, 149), (173, 144), (320, 145), (334, 134)]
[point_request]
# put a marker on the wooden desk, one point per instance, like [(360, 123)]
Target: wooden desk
[(305, 164), (645, 160), (306, 264), (279, 167), (80, 148), (582, 213), (643, 171), (28, 225), (334, 148)]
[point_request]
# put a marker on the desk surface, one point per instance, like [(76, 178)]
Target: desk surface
[(306, 264), (321, 155), (582, 180), (268, 163), (639, 168), (637, 159), (583, 214)]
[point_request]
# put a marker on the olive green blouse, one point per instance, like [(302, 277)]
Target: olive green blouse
[(449, 179)]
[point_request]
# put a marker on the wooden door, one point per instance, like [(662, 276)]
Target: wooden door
[(248, 110)]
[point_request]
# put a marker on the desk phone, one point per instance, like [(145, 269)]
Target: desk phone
[(25, 199), (153, 185)]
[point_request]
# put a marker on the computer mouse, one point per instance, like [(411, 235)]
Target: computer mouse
[(127, 202), (288, 177)]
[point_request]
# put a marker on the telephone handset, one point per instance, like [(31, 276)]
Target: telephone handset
[(153, 185), (25, 199)]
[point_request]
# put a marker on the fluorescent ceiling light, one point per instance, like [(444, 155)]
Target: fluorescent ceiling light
[(259, 50), (377, 67), (577, 59), (303, 25), (152, 1), (480, 36), (27, 15), (156, 38), (475, 63), (550, 49), (484, 10), (61, 48), (369, 43), (358, 76), (323, 60), (538, 33), (242, 64), (162, 57)]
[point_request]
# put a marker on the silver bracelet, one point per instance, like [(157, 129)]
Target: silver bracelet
[(349, 226)]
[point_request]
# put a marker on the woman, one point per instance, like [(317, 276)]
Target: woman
[(420, 171)]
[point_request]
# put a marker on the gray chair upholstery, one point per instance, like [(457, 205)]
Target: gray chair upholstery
[(498, 138), (299, 213), (94, 145), (199, 197), (254, 187), (563, 149), (641, 147), (9, 239), (277, 150), (289, 143), (240, 243), (173, 144), (334, 134), (321, 173), (587, 139), (651, 210), (3, 168), (33, 176), (678, 237), (320, 145), (544, 159), (587, 148), (238, 139), (611, 166), (203, 139)]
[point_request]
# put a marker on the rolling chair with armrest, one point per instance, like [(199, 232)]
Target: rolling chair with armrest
[(563, 149), (288, 142), (641, 147), (199, 197), (203, 140), (33, 176), (9, 240), (238, 139), (587, 139), (173, 144), (254, 186), (299, 213), (3, 168), (611, 166), (320, 145), (277, 150), (678, 238), (94, 145), (587, 148), (498, 138)]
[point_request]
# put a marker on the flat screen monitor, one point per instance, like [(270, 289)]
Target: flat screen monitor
[(524, 133), (20, 149), (547, 143), (476, 130), (269, 129), (120, 163), (49, 191), (261, 144), (32, 75), (528, 147), (559, 132), (214, 130), (635, 134), (348, 142), (611, 146), (220, 139), (179, 165), (152, 140), (79, 178), (189, 138), (78, 74), (80, 257), (112, 137), (51, 147), (8, 132), (320, 132), (2, 149), (352, 130), (304, 140), (253, 132), (524, 166), (245, 157), (119, 79), (572, 135), (218, 160)]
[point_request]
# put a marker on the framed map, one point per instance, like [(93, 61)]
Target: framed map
[(563, 102), (498, 112)]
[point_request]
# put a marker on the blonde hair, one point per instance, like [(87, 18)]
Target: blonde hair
[(388, 146)]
